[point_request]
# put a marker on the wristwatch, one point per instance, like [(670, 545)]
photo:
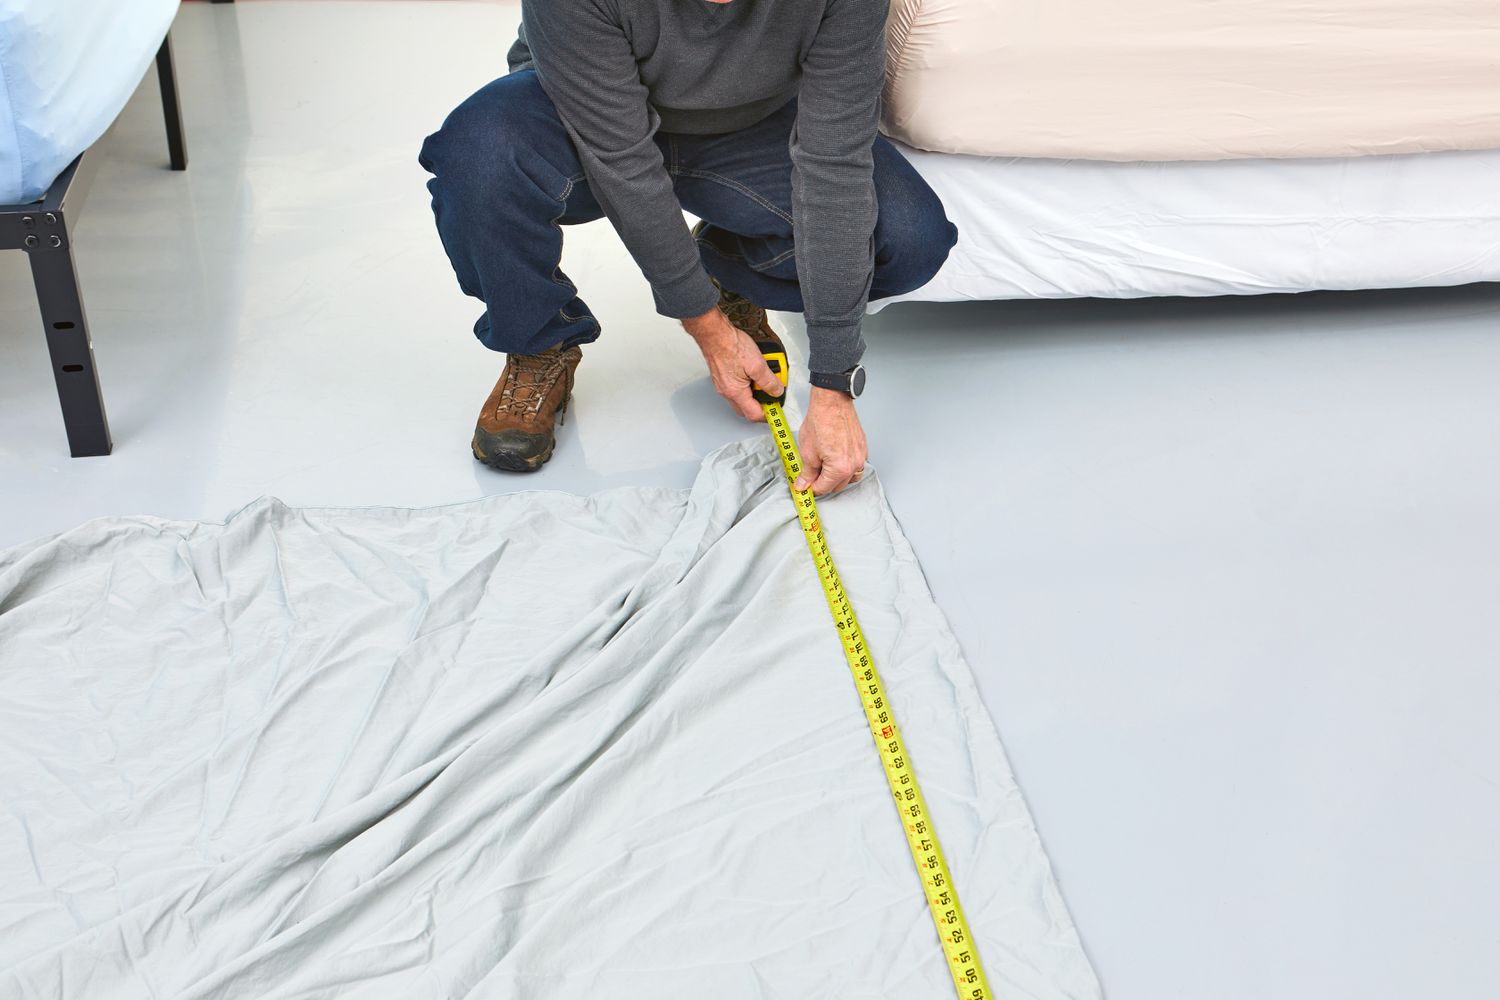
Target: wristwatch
[(851, 383)]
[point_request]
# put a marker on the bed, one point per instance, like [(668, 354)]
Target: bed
[(1181, 148), (69, 66)]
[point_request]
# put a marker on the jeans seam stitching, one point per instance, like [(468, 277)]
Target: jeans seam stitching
[(752, 265), (774, 260), (562, 202), (735, 185)]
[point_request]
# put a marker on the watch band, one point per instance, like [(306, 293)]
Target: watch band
[(851, 383)]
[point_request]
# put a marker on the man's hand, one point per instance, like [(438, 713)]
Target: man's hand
[(734, 362), (832, 443)]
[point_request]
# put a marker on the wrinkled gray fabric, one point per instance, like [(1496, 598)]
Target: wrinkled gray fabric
[(531, 746)]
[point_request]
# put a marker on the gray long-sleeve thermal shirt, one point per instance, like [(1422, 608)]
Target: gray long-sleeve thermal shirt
[(619, 70)]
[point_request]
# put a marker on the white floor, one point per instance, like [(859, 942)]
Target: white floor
[(1228, 570)]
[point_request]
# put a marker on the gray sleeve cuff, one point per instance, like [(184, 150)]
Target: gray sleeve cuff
[(834, 349), (685, 297)]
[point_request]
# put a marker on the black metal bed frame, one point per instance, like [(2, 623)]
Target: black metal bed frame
[(44, 229)]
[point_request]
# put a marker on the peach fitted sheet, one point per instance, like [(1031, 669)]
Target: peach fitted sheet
[(1194, 79)]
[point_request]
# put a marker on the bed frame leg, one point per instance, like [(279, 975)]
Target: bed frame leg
[(166, 75), (72, 351)]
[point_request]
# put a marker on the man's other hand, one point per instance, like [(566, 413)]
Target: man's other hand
[(832, 443), (734, 362)]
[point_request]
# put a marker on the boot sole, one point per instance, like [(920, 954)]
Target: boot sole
[(510, 463)]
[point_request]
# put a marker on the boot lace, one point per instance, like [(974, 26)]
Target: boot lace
[(530, 378)]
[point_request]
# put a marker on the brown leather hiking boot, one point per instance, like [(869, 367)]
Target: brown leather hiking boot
[(515, 429)]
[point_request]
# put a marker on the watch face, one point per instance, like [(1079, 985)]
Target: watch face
[(857, 381)]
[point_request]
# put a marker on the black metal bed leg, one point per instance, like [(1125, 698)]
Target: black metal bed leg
[(68, 341), (166, 75)]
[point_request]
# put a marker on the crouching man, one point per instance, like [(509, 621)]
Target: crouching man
[(757, 116)]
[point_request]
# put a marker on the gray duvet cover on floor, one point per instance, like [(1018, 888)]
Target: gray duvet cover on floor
[(535, 745)]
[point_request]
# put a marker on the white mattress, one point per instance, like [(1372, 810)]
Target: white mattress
[(1040, 228), (69, 66)]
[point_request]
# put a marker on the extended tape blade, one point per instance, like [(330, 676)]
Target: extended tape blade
[(958, 944)]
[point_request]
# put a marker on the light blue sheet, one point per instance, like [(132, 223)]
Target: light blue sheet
[(67, 67), (534, 747)]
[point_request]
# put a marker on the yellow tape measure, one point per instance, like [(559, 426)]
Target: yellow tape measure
[(942, 897)]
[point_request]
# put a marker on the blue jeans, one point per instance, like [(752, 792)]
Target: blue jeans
[(506, 177)]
